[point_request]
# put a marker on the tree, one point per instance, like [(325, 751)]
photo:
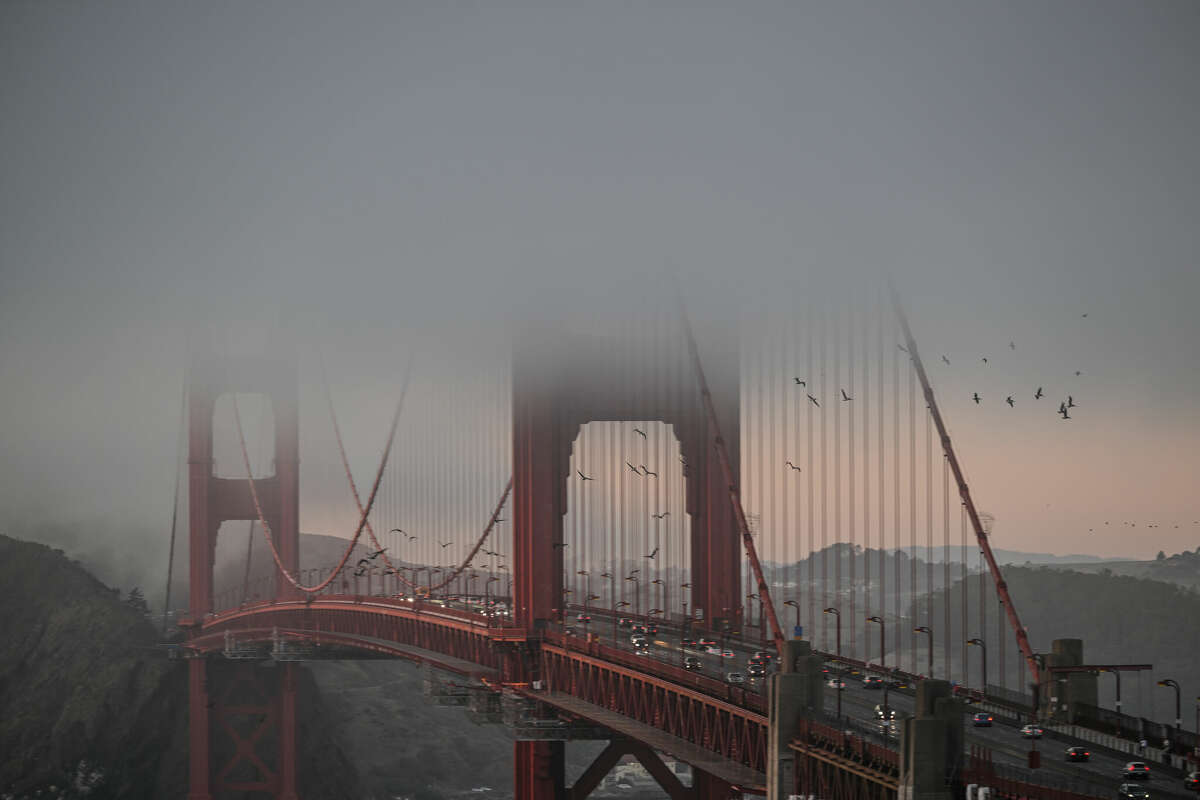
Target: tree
[(137, 601), (1161, 555)]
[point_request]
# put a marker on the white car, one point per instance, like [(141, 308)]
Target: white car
[(1031, 732), (836, 683), (735, 677)]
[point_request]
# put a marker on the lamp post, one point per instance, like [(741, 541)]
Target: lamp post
[(1167, 682), (637, 594), (1117, 674), (487, 598), (838, 651), (983, 651), (796, 606), (687, 621), (616, 608), (882, 651), (929, 632), (587, 589)]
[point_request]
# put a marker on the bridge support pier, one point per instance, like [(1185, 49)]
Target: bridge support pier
[(706, 786), (931, 745), (539, 770), (608, 759), (198, 751), (793, 693)]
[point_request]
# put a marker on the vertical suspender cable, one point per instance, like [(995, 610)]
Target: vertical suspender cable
[(864, 391), (852, 550), (837, 462), (179, 459), (881, 439), (929, 524), (811, 560), (946, 595), (896, 551), (914, 602), (823, 395)]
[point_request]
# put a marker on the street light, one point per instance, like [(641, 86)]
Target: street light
[(927, 630), (687, 621), (882, 652), (487, 598), (983, 650), (1174, 685), (796, 606), (637, 594), (617, 607), (587, 589), (838, 615)]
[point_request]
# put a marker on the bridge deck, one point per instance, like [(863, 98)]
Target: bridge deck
[(748, 779)]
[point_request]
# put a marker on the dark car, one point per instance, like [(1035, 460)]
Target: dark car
[(1078, 754), (1137, 771), (625, 622), (872, 682), (1031, 732), (651, 628), (982, 720), (756, 670), (691, 663), (687, 641), (1192, 781), (1131, 791)]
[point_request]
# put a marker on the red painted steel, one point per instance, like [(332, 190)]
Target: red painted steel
[(199, 767), (538, 772), (731, 486), (717, 725), (1010, 608)]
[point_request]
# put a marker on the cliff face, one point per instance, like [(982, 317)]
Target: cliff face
[(91, 706)]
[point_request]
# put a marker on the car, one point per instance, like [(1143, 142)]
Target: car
[(884, 712), (765, 655), (756, 670), (713, 651), (836, 683), (1136, 770), (625, 622), (726, 653), (637, 639), (1131, 791), (1078, 754), (641, 651), (1031, 732), (1192, 781), (735, 677), (707, 642), (639, 629), (687, 641), (651, 628), (982, 719), (897, 683), (691, 663), (872, 682), (583, 618)]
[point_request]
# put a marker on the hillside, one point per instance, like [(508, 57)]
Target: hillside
[(1121, 619), (91, 705)]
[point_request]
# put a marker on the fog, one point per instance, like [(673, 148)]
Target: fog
[(363, 181)]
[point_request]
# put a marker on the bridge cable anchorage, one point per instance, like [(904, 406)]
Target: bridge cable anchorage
[(364, 512), (764, 599), (976, 523), (370, 502)]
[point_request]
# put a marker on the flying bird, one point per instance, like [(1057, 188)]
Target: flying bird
[(633, 469), (1064, 413), (1062, 408), (445, 544), (663, 515), (1038, 394), (1070, 401), (558, 545), (984, 359), (846, 396), (397, 530), (946, 360), (362, 561), (499, 519), (1009, 400), (975, 397), (1012, 346), (813, 400), (653, 554), (640, 432), (902, 347), (793, 466), (584, 477), (358, 573), (1078, 373), (800, 382), (648, 472), (377, 553), (1085, 316)]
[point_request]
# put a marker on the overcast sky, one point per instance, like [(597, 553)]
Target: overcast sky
[(362, 176)]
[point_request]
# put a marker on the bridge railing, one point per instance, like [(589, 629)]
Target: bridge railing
[(1018, 783)]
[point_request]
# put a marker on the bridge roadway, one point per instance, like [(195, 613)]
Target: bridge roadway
[(1099, 776), (459, 641)]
